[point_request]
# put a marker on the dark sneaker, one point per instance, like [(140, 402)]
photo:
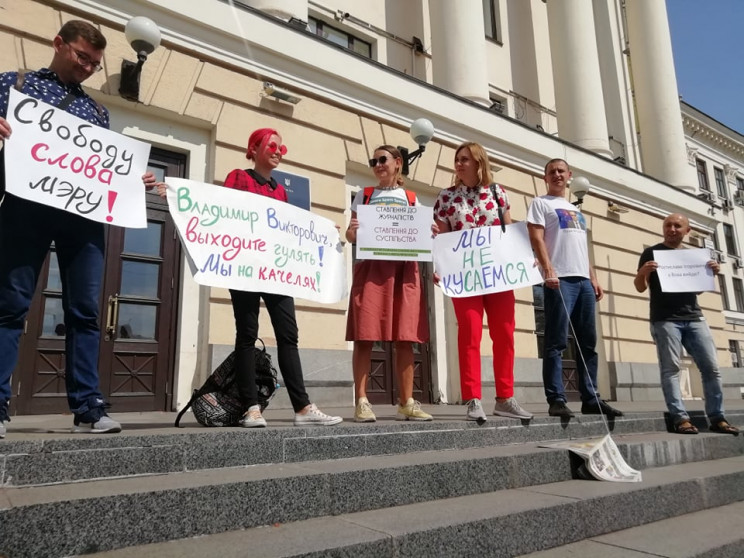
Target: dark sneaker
[(104, 425), (600, 409), (560, 409)]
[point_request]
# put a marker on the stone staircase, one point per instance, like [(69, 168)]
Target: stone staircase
[(445, 488)]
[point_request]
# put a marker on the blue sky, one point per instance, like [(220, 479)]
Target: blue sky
[(708, 43)]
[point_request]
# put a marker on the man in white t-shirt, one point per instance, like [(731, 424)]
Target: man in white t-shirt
[(558, 235)]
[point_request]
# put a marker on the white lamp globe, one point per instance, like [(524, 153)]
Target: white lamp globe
[(143, 34), (422, 130), (580, 186)]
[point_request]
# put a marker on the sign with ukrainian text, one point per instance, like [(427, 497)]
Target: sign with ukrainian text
[(684, 271), (57, 159), (485, 260), (390, 232), (244, 241)]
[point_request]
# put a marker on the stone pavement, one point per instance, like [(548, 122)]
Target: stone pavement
[(39, 427), (385, 490)]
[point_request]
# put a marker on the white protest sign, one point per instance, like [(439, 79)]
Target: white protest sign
[(485, 260), (54, 158), (684, 271), (391, 232), (244, 241)]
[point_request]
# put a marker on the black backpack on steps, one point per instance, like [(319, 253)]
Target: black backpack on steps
[(217, 402)]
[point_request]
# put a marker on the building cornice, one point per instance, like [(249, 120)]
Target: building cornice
[(712, 134)]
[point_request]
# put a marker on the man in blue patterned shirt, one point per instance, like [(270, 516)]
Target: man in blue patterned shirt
[(27, 230)]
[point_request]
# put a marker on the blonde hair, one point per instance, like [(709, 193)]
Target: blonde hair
[(479, 156)]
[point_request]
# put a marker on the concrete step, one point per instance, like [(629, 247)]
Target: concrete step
[(504, 523), (48, 458), (712, 533), (144, 509)]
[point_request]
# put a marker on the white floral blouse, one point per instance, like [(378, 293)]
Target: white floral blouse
[(467, 208)]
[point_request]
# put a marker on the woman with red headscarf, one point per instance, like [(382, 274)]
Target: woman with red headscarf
[(265, 149)]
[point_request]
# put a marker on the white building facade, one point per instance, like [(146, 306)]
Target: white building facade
[(590, 81)]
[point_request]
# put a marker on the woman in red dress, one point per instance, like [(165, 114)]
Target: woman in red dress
[(387, 300)]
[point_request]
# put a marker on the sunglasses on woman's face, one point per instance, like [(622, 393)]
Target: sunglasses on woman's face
[(273, 147), (382, 159)]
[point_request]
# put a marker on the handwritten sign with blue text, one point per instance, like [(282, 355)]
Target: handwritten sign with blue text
[(244, 241), (56, 159), (485, 260), (390, 232)]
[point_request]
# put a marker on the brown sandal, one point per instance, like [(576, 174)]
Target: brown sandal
[(686, 427), (724, 427)]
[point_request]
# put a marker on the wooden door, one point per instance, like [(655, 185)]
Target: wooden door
[(382, 386), (138, 309)]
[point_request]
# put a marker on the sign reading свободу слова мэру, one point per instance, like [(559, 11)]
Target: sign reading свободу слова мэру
[(248, 242), (56, 159), (485, 260)]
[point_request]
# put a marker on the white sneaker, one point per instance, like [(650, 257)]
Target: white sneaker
[(510, 408), (363, 411), (2, 429), (253, 418), (104, 425), (475, 411), (315, 417)]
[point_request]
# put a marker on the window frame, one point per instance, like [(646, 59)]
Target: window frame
[(735, 350), (729, 237), (738, 293), (351, 39), (724, 292), (492, 20), (721, 188), (702, 174)]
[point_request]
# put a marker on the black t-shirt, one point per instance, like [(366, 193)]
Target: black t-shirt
[(669, 307)]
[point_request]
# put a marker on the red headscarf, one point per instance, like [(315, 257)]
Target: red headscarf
[(257, 138)]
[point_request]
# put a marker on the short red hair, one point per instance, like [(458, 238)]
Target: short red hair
[(257, 138)]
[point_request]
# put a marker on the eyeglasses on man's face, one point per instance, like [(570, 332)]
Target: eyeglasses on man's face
[(84, 60)]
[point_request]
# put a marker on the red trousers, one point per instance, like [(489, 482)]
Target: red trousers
[(499, 308)]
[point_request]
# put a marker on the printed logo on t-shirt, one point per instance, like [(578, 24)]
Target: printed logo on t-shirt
[(387, 200), (568, 219)]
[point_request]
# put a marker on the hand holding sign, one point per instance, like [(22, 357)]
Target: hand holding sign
[(248, 242), (684, 271), (62, 161), (485, 260)]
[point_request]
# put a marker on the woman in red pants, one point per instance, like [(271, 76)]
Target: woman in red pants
[(474, 201)]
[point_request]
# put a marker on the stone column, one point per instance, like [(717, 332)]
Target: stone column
[(663, 149), (458, 48), (578, 86), (283, 9)]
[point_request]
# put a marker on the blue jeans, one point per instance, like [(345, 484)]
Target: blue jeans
[(580, 301), (27, 230), (694, 336)]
